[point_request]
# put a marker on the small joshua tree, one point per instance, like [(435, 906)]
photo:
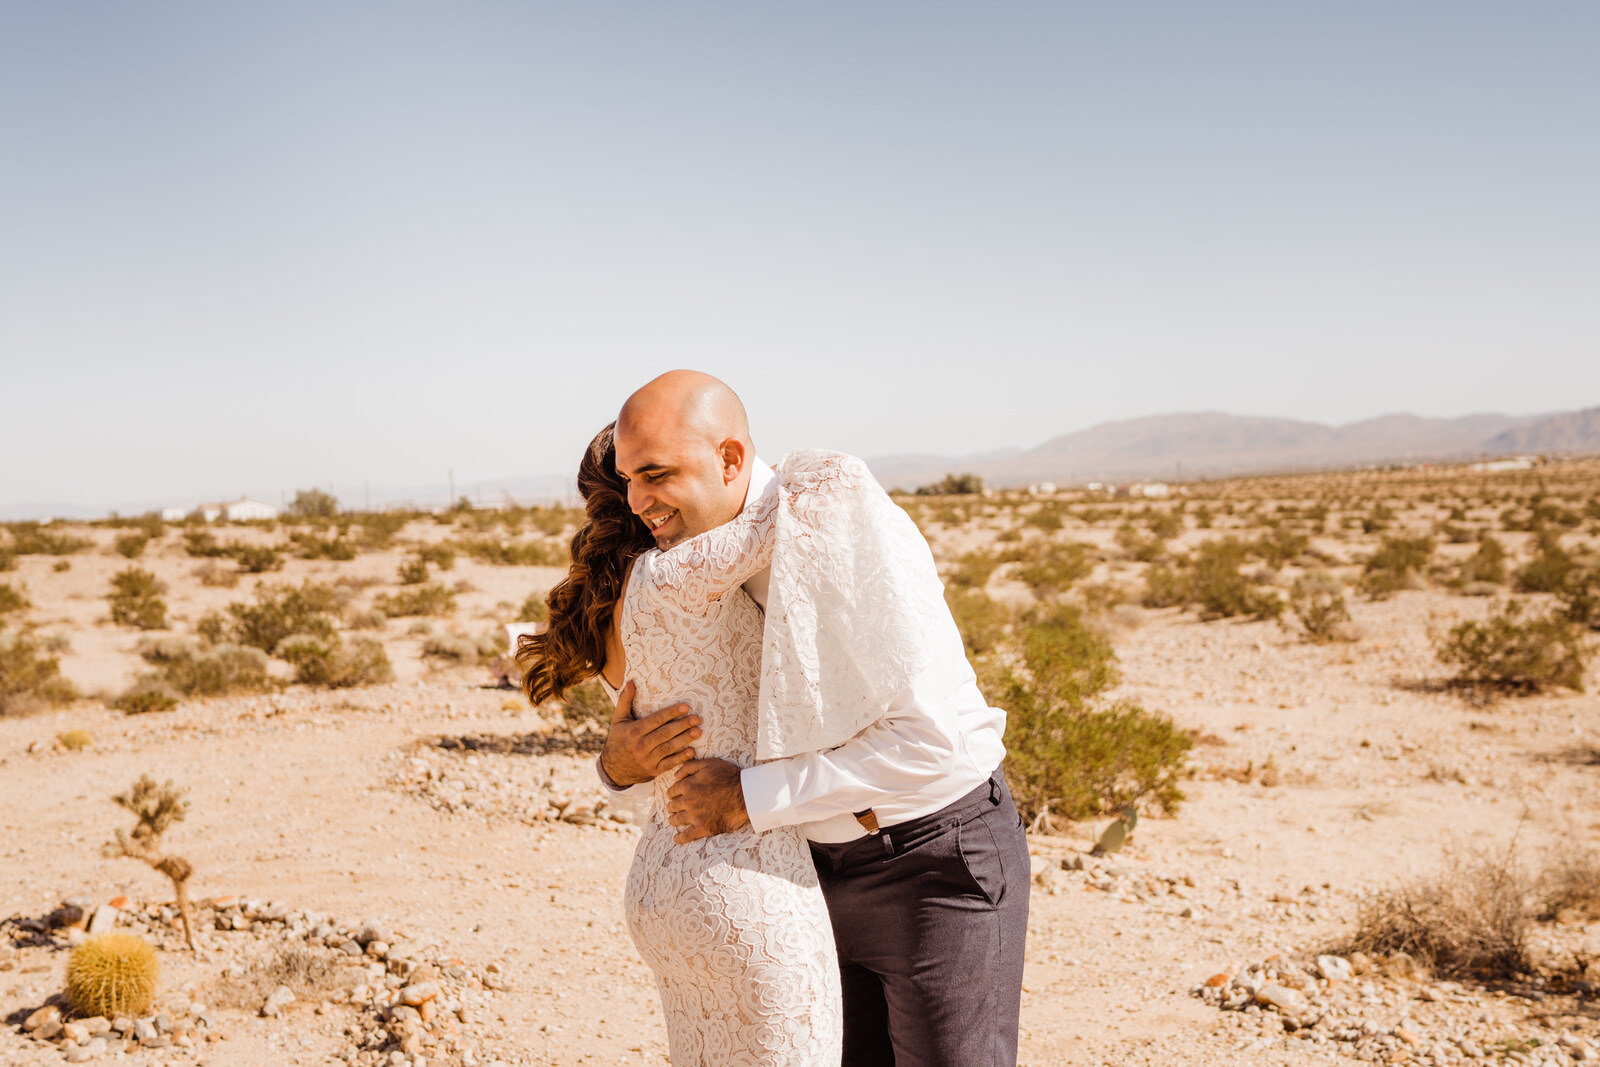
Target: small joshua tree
[(157, 807)]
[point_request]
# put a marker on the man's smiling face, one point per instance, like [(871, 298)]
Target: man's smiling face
[(678, 478)]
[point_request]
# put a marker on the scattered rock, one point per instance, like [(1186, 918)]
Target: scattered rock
[(276, 1001)]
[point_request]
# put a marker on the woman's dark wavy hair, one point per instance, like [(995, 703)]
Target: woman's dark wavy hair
[(573, 646)]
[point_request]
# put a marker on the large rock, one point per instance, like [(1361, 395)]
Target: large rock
[(1335, 968), (103, 919), (45, 1015), (276, 1001), (1291, 1002)]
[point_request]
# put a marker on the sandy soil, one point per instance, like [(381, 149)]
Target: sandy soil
[(331, 801)]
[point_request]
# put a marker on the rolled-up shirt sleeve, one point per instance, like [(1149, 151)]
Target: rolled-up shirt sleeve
[(632, 798)]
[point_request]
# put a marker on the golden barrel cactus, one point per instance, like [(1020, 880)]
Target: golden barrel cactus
[(112, 974)]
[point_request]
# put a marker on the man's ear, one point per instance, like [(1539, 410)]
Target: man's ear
[(734, 455)]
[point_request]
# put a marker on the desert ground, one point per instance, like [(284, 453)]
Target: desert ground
[(427, 866)]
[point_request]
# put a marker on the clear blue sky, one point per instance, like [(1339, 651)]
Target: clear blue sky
[(254, 246)]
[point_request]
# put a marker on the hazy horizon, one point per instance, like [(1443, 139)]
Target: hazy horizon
[(254, 249)]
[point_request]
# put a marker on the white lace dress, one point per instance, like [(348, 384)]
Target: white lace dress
[(734, 925)]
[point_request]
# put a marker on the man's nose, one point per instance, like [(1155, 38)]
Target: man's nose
[(638, 498)]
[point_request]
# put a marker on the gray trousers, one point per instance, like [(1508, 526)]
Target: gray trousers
[(930, 917)]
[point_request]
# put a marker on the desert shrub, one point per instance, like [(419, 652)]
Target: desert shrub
[(11, 599), (1071, 752), (214, 576), (1509, 652), (1469, 920), (256, 559), (1549, 568), (972, 570), (953, 485), (336, 664), (513, 553), (220, 670), (201, 544), (440, 555), (586, 708), (1317, 600), (371, 619), (1487, 564), (148, 694), (311, 974), (135, 600), (1165, 525), (8, 559), (464, 649), (1138, 547), (1571, 884), (1218, 589), (1280, 546), (280, 611), (309, 545), (312, 504), (1398, 564), (131, 546), (30, 678), (32, 539), (982, 620), (1165, 587), (1580, 597), (1046, 517), (1050, 566), (413, 571), (429, 599), (1203, 517), (535, 609)]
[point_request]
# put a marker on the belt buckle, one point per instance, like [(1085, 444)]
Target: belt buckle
[(868, 820)]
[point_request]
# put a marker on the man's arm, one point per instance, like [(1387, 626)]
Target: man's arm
[(914, 745)]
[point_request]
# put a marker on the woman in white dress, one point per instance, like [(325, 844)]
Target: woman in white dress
[(733, 925)]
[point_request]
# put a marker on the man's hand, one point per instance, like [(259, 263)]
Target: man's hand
[(706, 799), (636, 750)]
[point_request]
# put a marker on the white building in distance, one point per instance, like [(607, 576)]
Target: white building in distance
[(241, 510)]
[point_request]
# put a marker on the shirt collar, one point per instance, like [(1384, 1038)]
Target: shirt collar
[(761, 476)]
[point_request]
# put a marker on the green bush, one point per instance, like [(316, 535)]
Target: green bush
[(1049, 566), (464, 649), (413, 571), (1136, 545), (30, 678), (1218, 589), (972, 570), (1280, 546), (1509, 652), (205, 672), (1398, 564), (281, 611), (1547, 571), (149, 694), (1487, 564), (1164, 587), (982, 620), (1580, 597), (1317, 601), (131, 546), (308, 545), (1070, 752), (201, 544), (32, 539), (135, 599), (312, 504), (514, 553), (443, 556), (953, 485), (429, 599), (256, 559), (11, 599), (336, 664), (535, 609)]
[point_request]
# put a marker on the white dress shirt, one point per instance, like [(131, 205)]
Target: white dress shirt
[(933, 745)]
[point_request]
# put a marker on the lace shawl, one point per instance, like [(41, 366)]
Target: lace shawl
[(855, 611)]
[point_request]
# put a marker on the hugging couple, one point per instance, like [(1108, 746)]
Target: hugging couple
[(830, 867)]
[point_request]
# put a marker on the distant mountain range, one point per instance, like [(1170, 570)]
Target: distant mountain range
[(1213, 444), (1173, 447)]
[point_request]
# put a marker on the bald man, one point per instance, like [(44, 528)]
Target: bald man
[(919, 850)]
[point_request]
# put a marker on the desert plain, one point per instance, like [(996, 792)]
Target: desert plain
[(356, 840)]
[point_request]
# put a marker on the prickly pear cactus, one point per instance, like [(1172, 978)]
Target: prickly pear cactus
[(112, 974)]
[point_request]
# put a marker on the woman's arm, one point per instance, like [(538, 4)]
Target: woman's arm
[(701, 569)]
